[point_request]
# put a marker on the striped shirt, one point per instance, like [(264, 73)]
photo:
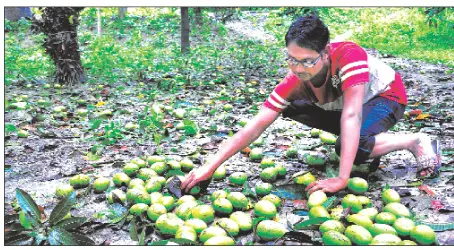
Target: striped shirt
[(350, 66)]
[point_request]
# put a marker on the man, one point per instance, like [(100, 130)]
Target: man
[(338, 88)]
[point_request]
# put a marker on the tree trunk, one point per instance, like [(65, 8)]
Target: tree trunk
[(198, 16), (184, 30), (122, 13), (60, 26), (98, 10)]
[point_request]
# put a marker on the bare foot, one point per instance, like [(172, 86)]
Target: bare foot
[(425, 156)]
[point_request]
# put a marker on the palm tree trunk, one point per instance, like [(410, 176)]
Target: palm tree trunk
[(60, 26)]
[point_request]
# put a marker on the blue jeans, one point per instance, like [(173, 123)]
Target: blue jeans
[(379, 115)]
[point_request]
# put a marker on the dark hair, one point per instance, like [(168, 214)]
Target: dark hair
[(308, 32)]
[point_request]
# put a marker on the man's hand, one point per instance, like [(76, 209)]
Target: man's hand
[(330, 185), (195, 176)]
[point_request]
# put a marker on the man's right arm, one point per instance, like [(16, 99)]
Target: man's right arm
[(239, 141)]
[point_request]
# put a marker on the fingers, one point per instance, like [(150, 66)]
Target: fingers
[(310, 186), (318, 185), (314, 186), (188, 180), (189, 186)]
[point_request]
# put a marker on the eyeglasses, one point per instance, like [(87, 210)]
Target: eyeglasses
[(306, 63)]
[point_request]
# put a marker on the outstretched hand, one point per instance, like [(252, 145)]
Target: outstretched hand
[(194, 177), (330, 185)]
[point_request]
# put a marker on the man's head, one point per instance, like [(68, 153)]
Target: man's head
[(308, 32), (307, 47)]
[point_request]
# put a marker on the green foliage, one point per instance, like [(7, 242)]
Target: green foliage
[(190, 127), (309, 223), (55, 231), (9, 128), (25, 59), (116, 213), (398, 31)]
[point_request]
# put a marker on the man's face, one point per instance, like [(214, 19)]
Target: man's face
[(297, 54)]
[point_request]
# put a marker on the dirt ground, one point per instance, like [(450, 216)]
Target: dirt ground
[(48, 157)]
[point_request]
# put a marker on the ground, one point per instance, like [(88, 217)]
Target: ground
[(51, 155)]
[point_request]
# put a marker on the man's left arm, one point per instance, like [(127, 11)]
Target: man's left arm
[(351, 120)]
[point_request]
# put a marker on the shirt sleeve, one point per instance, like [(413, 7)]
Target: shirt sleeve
[(353, 66), (278, 99)]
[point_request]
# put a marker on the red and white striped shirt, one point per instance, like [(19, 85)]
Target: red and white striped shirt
[(350, 66)]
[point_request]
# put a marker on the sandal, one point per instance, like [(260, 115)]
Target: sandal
[(424, 162)]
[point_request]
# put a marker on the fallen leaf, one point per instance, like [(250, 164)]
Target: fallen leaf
[(300, 204), (29, 127), (89, 168), (415, 112), (437, 205), (427, 190), (246, 150), (100, 103), (422, 116)]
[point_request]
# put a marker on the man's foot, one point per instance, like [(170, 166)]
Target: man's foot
[(427, 154), (373, 166)]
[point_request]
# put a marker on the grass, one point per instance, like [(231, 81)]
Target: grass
[(405, 32)]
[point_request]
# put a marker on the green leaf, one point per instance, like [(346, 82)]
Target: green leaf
[(95, 123), (60, 236), (62, 208), (14, 234), (10, 218), (116, 213), (53, 241), (82, 240), (133, 230), (142, 237), (308, 223), (190, 127), (331, 172), (159, 243), (330, 202), (289, 191), (29, 206), (10, 128), (439, 227), (15, 227), (72, 223), (247, 191), (93, 157), (40, 237), (18, 239), (174, 172)]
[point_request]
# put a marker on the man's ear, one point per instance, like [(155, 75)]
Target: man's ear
[(327, 48)]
